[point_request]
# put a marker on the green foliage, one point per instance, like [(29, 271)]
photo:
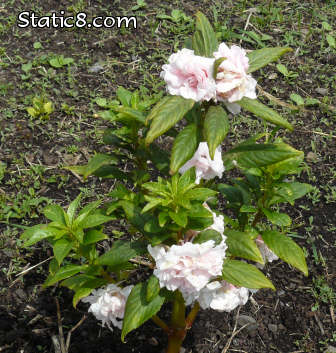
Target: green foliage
[(42, 108)]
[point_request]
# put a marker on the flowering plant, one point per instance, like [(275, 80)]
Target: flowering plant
[(189, 254)]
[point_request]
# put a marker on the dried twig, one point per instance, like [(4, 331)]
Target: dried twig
[(234, 333), (332, 314), (67, 346), (60, 327), (319, 323)]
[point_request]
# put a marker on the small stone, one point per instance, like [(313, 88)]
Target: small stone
[(280, 292), (312, 157), (322, 91), (96, 68), (273, 328), (273, 76), (250, 321), (330, 349), (153, 341)]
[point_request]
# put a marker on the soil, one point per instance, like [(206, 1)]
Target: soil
[(287, 320)]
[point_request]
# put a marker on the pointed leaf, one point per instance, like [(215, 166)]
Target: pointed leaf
[(62, 273), (208, 234), (204, 40), (261, 57), (179, 218), (280, 219), (241, 244), (37, 233), (61, 249), (93, 236), (245, 275), (184, 147), (167, 115), (216, 127), (73, 208), (262, 111), (138, 310), (285, 248), (121, 252), (153, 288), (55, 213)]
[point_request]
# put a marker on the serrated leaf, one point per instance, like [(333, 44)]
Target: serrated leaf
[(280, 219), (206, 235), (285, 248), (261, 57), (262, 111), (166, 115), (93, 236), (138, 310), (204, 40), (245, 275), (179, 218), (184, 147), (55, 213), (36, 233), (73, 208), (121, 252), (241, 244), (62, 273), (96, 162), (216, 127), (61, 249), (261, 155)]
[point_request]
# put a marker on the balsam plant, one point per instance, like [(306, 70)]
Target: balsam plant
[(189, 255)]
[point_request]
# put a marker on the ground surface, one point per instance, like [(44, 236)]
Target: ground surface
[(298, 317)]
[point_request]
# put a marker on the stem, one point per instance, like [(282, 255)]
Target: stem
[(192, 316), (161, 324)]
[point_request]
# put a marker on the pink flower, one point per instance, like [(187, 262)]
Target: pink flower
[(108, 304), (222, 296), (190, 76), (188, 267), (232, 81), (267, 254), (206, 168)]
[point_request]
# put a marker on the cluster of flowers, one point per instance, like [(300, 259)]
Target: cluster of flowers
[(189, 268), (193, 269), (191, 76)]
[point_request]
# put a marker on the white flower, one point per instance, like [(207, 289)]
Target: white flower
[(190, 76), (222, 296), (188, 267), (108, 304), (232, 81), (266, 253), (218, 222), (206, 168)]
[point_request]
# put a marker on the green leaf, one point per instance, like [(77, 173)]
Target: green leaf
[(76, 282), (73, 208), (297, 99), (331, 41), (280, 219), (138, 310), (201, 194), (96, 162), (216, 66), (153, 288), (204, 40), (86, 288), (290, 192), (121, 252), (261, 155), (166, 115), (132, 114), (184, 147), (36, 233), (261, 57), (93, 236), (216, 127), (94, 220), (152, 203), (242, 245), (55, 213), (62, 273), (208, 234), (285, 248), (163, 218), (61, 249), (262, 111), (245, 275), (111, 172), (124, 96), (179, 218)]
